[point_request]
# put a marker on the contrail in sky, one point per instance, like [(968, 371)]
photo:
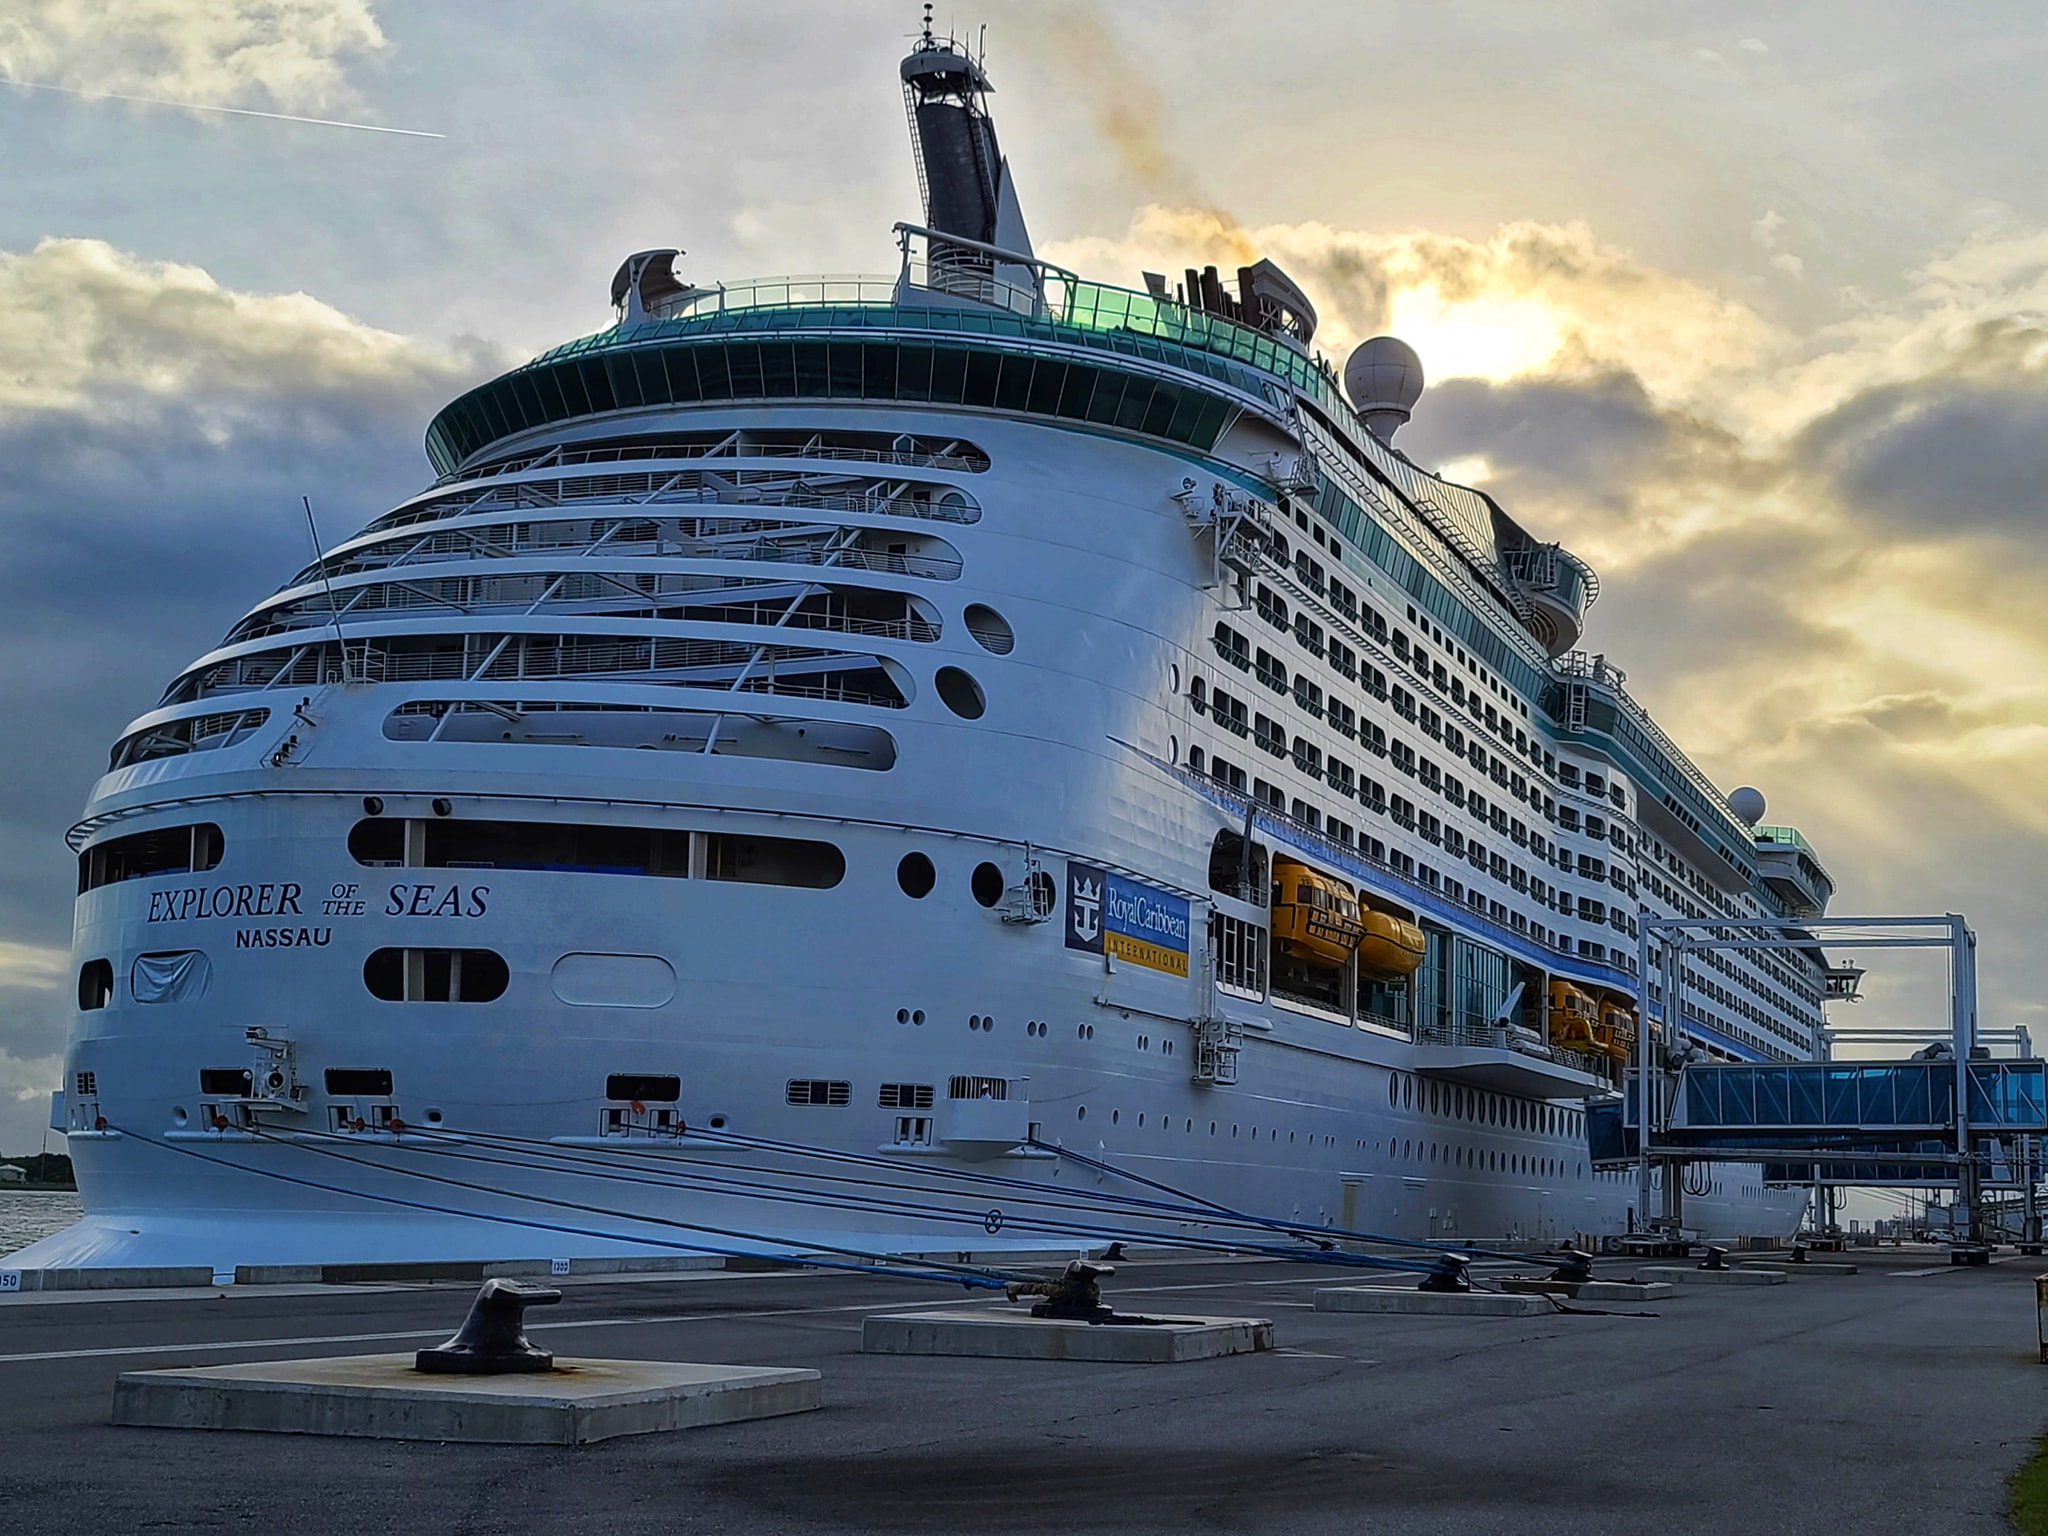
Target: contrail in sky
[(195, 106)]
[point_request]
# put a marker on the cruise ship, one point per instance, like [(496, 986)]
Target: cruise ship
[(906, 765)]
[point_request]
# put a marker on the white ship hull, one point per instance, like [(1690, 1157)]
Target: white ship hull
[(763, 615)]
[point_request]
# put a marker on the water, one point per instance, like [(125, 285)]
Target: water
[(28, 1214)]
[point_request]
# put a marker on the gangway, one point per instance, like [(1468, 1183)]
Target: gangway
[(1826, 1123)]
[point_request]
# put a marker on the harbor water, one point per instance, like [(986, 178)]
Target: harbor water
[(29, 1214)]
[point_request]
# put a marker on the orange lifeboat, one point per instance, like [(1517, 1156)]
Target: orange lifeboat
[(1574, 1018), (1315, 918), (1617, 1030), (1391, 948)]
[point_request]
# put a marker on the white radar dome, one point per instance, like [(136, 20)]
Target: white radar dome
[(1748, 805), (1383, 377)]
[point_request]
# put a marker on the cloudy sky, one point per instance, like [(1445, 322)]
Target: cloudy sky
[(1744, 302)]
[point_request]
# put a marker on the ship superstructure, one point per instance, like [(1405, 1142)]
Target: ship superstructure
[(946, 717)]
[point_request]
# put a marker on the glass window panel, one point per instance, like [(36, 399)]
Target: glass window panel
[(597, 384), (1159, 414), (843, 370), (714, 373), (744, 358), (878, 370), (949, 376), (984, 373), (625, 382), (1013, 384), (914, 373), (683, 384), (552, 406), (1137, 400), (568, 381), (653, 377), (810, 369), (779, 369), (1048, 378), (1107, 398)]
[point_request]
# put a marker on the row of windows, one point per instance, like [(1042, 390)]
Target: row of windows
[(691, 373), (1480, 1106), (454, 843), (164, 851)]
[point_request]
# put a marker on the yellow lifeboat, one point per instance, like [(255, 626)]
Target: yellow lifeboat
[(1617, 1029), (1392, 947), (1574, 1017), (1315, 918)]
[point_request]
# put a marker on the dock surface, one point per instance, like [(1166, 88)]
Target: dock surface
[(1916, 1388)]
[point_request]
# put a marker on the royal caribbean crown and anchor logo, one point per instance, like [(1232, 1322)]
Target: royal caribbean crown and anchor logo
[(1109, 915)]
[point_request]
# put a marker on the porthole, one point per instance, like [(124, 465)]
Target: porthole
[(991, 632), (987, 884), (916, 875), (1173, 677), (960, 693), (902, 1015)]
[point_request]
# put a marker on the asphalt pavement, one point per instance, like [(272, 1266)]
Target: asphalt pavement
[(1894, 1400)]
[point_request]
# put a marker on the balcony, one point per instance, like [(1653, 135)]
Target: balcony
[(1503, 1058)]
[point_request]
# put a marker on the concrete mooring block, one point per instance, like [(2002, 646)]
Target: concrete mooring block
[(991, 1334), (382, 1397), (1688, 1276), (1410, 1302), (1590, 1290)]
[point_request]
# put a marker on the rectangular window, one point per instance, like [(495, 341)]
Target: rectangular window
[(354, 1082), (1240, 949), (647, 1088), (812, 1090), (165, 851), (905, 1096)]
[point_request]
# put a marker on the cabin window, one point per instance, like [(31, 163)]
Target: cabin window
[(905, 1096), (95, 984), (644, 1087), (164, 851), (436, 975), (600, 849), (354, 1082)]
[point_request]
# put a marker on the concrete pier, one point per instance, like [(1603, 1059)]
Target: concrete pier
[(1016, 1335), (1685, 1275), (1414, 1303), (381, 1397)]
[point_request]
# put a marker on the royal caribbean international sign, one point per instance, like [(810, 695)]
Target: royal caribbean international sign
[(1109, 915)]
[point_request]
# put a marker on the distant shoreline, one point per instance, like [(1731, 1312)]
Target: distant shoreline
[(39, 1189)]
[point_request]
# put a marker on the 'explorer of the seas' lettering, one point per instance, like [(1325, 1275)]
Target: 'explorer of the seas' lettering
[(184, 903)]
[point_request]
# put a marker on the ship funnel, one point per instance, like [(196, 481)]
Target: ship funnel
[(961, 172)]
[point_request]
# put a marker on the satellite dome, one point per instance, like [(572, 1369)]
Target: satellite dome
[(1748, 805), (1383, 377)]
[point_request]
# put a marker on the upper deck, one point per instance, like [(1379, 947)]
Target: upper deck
[(625, 366)]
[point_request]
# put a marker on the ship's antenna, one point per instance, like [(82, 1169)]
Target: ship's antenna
[(326, 585)]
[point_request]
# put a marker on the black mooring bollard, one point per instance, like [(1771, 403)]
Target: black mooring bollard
[(492, 1339)]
